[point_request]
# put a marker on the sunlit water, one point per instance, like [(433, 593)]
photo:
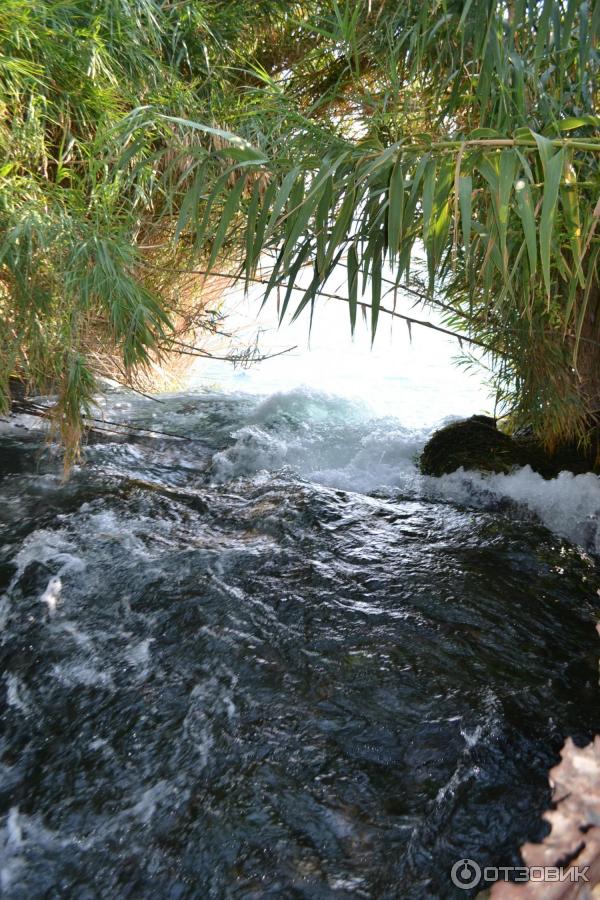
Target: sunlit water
[(270, 659)]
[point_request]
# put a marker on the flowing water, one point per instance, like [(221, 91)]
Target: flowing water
[(271, 660)]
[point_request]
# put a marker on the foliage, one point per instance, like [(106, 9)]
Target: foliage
[(350, 132), (85, 235), (469, 128)]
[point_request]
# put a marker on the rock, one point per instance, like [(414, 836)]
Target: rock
[(17, 388), (474, 443)]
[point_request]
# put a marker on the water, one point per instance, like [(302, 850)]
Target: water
[(271, 660)]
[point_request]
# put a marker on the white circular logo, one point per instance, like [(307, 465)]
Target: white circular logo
[(465, 874)]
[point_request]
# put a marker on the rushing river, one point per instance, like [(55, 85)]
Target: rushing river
[(268, 659)]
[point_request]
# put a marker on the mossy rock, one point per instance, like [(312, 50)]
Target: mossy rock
[(474, 443)]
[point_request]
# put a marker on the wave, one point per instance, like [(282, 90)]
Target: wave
[(568, 505), (324, 438), (330, 440)]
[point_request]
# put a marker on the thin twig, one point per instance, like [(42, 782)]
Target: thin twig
[(422, 296), (363, 305), (205, 354), (27, 406)]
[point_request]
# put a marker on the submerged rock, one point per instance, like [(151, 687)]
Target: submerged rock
[(477, 443)]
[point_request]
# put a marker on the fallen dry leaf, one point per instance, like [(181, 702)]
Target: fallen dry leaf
[(574, 838)]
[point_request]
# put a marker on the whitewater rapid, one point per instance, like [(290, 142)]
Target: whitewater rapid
[(341, 443)]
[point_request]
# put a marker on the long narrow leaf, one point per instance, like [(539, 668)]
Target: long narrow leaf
[(553, 170), (396, 207)]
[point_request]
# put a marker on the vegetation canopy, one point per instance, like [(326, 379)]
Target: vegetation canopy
[(143, 138)]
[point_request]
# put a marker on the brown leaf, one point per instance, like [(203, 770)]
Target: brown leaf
[(574, 838)]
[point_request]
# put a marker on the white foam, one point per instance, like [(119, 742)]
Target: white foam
[(82, 639), (325, 438), (409, 374), (459, 776), (332, 441), (568, 505), (205, 701), (145, 808), (75, 674), (473, 737), (47, 546), (254, 451), (17, 694), (139, 655), (11, 845), (51, 596)]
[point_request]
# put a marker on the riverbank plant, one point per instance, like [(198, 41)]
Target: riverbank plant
[(145, 139)]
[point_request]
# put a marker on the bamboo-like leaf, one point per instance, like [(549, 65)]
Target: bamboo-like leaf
[(294, 207), (584, 37), (572, 6), (441, 219), (570, 123), (246, 154), (190, 203), (280, 200), (352, 285), (396, 207), (291, 278), (299, 222), (219, 187), (584, 304), (465, 13), (525, 163), (303, 208), (543, 29), (90, 195), (553, 169), (251, 232), (371, 166), (457, 170), (273, 278), (595, 25), (428, 196), (416, 183), (410, 208), (506, 179), (342, 224), (234, 139), (322, 222), (465, 189), (308, 297), (261, 223), (570, 306), (376, 288), (527, 215), (366, 261), (229, 211), (545, 148), (569, 196)]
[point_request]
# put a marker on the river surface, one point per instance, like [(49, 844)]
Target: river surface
[(268, 659)]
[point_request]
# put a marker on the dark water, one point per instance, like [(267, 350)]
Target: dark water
[(256, 684)]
